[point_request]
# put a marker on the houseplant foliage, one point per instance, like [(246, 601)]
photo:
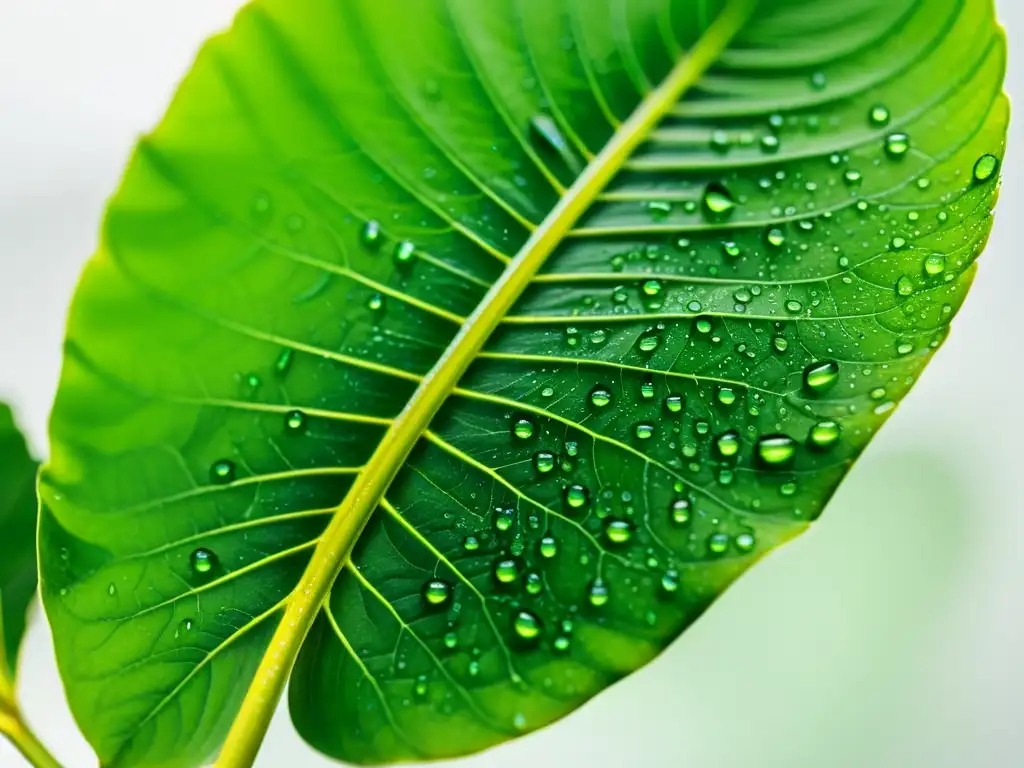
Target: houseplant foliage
[(17, 576), (449, 358)]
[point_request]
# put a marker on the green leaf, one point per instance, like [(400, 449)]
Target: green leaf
[(17, 548), (487, 343)]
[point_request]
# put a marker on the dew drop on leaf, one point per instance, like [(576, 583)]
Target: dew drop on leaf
[(644, 431), (294, 421), (202, 561), (404, 252), (726, 396), (822, 376), (548, 547), (576, 496), (223, 471), (717, 202), (598, 594), (985, 168), (824, 434), (728, 444), (436, 592), (523, 429), (618, 531), (745, 542), (775, 237), (776, 450), (600, 397), (506, 571), (674, 403), (879, 115), (680, 511), (670, 581), (526, 625), (371, 235), (544, 462), (718, 543), (897, 145)]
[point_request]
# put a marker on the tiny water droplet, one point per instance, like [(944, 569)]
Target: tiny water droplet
[(371, 235), (670, 581), (295, 421), (223, 471), (879, 115), (745, 542), (375, 302), (284, 361)]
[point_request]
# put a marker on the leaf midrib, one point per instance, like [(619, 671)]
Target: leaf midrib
[(409, 426)]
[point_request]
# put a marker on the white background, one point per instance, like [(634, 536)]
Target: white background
[(890, 636)]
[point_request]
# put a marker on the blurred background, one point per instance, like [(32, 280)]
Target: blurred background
[(889, 636)]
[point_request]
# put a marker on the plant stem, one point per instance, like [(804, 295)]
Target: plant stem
[(13, 726)]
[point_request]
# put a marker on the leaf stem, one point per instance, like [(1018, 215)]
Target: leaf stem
[(250, 726), (13, 726)]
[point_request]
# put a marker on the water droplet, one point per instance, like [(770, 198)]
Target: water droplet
[(111, 589), (824, 434), (437, 592), (879, 115), (451, 640), (776, 237), (726, 396), (375, 302), (674, 403), (284, 361), (598, 336), (776, 450), (421, 687), (561, 644), (598, 594), (504, 519), (794, 307), (853, 177), (648, 343), (186, 626), (548, 547), (904, 348), (703, 325), (371, 235), (202, 561), (731, 249), (618, 531), (506, 571), (644, 431), (877, 393), (223, 471), (670, 581), (600, 397), (897, 145), (647, 390), (572, 447), (659, 209), (781, 343), (404, 252), (719, 141), (820, 377), (523, 429), (526, 625), (652, 288), (769, 144), (718, 543), (904, 286), (934, 264), (898, 243), (985, 168), (680, 511), (295, 421), (728, 444), (544, 462), (576, 496), (745, 542), (718, 203), (471, 544), (818, 81)]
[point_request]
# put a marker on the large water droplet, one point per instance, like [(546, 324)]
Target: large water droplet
[(985, 168), (934, 264), (576, 496), (202, 561), (717, 201), (600, 397), (295, 421), (371, 235), (437, 592), (618, 531), (776, 450), (404, 252), (544, 462), (879, 116), (728, 444), (548, 547), (718, 543), (644, 431), (523, 429), (680, 511), (526, 625), (506, 571), (897, 145), (674, 403), (820, 377), (598, 594)]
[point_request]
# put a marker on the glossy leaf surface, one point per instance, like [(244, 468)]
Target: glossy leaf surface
[(335, 189), (17, 546)]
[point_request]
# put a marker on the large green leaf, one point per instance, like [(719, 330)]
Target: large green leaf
[(706, 246), (17, 555)]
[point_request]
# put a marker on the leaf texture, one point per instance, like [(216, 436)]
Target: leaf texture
[(334, 191)]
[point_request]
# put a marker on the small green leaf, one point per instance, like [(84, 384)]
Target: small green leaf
[(476, 347), (18, 512)]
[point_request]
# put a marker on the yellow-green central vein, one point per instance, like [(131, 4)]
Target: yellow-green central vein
[(249, 728)]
